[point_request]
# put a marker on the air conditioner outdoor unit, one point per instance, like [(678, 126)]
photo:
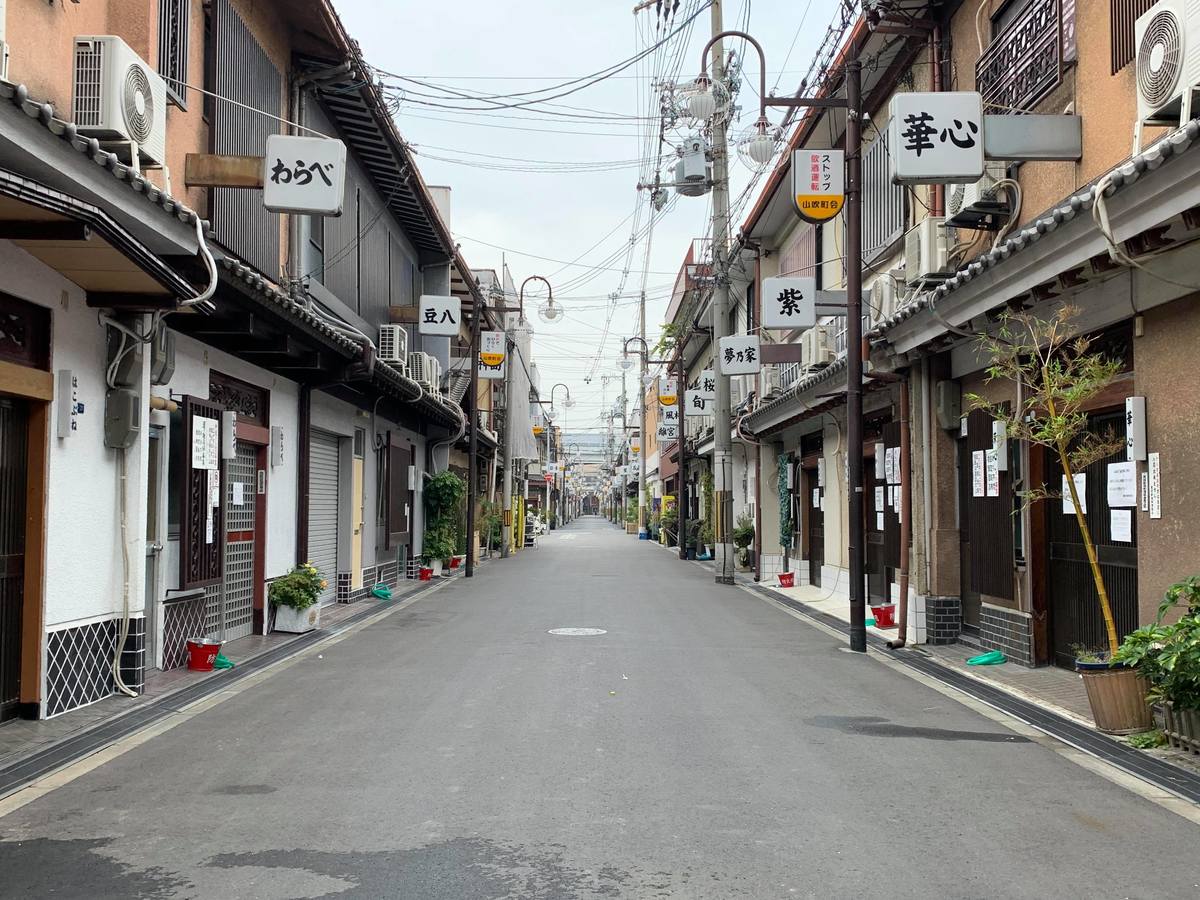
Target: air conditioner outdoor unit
[(925, 252), (393, 345), (117, 97), (883, 298), (1167, 38), (737, 392), (772, 378), (426, 371), (815, 349), (980, 204)]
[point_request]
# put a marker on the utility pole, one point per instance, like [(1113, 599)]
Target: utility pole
[(681, 498), (643, 531), (473, 452), (854, 355), (506, 534), (722, 414)]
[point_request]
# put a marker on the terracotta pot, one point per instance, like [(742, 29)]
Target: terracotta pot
[(1117, 696)]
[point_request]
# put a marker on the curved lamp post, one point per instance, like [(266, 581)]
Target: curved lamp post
[(548, 311), (702, 104)]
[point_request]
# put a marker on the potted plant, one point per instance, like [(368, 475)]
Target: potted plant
[(693, 539), (631, 517), (1167, 659), (444, 493), (294, 598), (669, 520), (1060, 375), (436, 547), (743, 537), (706, 538)]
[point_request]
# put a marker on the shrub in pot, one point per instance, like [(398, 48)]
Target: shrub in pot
[(436, 547), (294, 598), (743, 537)]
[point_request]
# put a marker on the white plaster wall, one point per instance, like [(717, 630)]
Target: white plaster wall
[(193, 363), (84, 568)]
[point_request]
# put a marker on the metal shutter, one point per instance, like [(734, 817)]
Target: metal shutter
[(323, 509)]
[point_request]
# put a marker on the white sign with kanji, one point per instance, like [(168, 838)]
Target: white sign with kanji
[(492, 372), (694, 404), (789, 303), (936, 138), (439, 315), (668, 432), (304, 175), (706, 387), (739, 355)]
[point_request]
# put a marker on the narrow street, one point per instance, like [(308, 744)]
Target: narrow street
[(706, 745)]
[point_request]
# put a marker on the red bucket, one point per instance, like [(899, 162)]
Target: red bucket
[(787, 579), (885, 616), (425, 574), (202, 653), (455, 561)]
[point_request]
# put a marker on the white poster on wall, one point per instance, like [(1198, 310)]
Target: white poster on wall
[(1068, 507), (816, 498), (1122, 484), (1122, 525), (992, 461), (879, 497), (978, 474), (1154, 471)]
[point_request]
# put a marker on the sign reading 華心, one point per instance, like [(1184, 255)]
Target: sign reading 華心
[(491, 348), (439, 315), (818, 178), (304, 175), (739, 355), (936, 138), (789, 303)]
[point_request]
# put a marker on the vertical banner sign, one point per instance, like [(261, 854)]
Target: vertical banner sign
[(304, 175), (491, 348), (818, 184), (1154, 487), (739, 355), (936, 138), (1135, 429), (706, 387), (789, 303), (439, 315), (668, 392)]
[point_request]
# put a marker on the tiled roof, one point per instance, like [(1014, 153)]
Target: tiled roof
[(1081, 202), (831, 371)]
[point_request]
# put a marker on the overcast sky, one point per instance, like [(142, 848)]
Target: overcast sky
[(518, 175)]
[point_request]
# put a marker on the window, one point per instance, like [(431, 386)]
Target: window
[(173, 16), (314, 249), (883, 215), (208, 104)]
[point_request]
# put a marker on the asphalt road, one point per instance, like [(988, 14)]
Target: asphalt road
[(707, 745)]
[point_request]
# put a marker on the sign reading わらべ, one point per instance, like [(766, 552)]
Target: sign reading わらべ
[(818, 183), (304, 175), (739, 355), (936, 138), (789, 303), (439, 315)]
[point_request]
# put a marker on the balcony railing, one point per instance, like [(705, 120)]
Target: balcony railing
[(1024, 63)]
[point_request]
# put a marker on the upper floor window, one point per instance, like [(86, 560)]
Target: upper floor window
[(173, 20), (1032, 43), (884, 214), (1122, 14)]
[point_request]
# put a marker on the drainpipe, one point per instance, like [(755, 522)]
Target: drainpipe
[(937, 208)]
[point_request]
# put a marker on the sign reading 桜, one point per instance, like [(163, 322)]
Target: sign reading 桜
[(304, 175), (668, 392), (491, 348), (789, 303), (818, 184), (936, 138), (706, 387), (439, 315), (740, 354)]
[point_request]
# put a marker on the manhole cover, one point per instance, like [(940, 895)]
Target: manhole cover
[(578, 632)]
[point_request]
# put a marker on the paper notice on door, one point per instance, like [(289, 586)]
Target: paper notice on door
[(208, 526), (821, 472), (239, 493), (1080, 489), (1145, 492), (1122, 525), (879, 521), (816, 498), (1122, 485), (1154, 492), (993, 472), (879, 501), (214, 488), (979, 474), (206, 442)]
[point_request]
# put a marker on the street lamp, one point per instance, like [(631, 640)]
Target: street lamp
[(548, 310)]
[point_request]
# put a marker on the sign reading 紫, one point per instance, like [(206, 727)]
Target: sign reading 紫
[(439, 315), (668, 392), (936, 138), (491, 348), (739, 355), (789, 303), (304, 175), (694, 404), (818, 183)]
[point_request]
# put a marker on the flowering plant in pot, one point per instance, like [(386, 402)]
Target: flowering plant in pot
[(1060, 375), (294, 597), (1167, 657)]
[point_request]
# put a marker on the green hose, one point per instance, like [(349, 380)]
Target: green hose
[(991, 658)]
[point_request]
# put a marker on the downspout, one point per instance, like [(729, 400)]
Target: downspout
[(758, 450), (937, 208)]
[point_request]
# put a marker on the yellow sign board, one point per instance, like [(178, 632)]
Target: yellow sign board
[(491, 348), (538, 430), (818, 184)]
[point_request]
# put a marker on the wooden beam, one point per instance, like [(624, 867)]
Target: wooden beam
[(22, 381), (211, 170), (43, 230)]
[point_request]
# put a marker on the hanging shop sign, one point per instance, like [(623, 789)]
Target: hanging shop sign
[(493, 372), (706, 387), (739, 355), (491, 348), (936, 138), (304, 175), (818, 184), (789, 303), (694, 404), (439, 315), (668, 392)]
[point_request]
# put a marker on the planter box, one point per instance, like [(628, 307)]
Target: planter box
[(1117, 696), (293, 621), (631, 528), (1182, 728)]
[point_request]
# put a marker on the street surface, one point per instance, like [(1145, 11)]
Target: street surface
[(707, 745)]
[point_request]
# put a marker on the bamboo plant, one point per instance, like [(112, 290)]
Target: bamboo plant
[(1058, 374)]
